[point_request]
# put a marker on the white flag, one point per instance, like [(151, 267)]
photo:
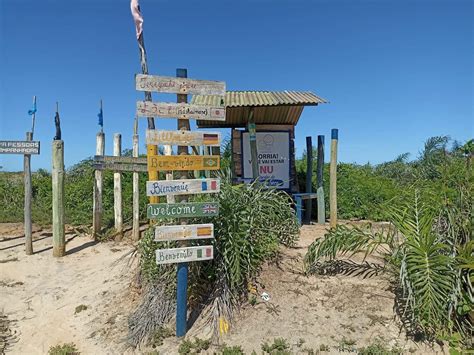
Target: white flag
[(137, 17)]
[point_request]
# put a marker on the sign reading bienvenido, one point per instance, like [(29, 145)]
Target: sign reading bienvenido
[(182, 187), (175, 210), (19, 147), (184, 255)]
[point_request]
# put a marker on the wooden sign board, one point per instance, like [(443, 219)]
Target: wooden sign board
[(184, 255), (184, 232), (183, 162), (174, 85), (19, 147), (182, 187), (180, 111), (138, 168), (114, 159), (177, 210), (210, 139)]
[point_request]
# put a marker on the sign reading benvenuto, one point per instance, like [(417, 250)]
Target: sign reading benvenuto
[(19, 147), (171, 210)]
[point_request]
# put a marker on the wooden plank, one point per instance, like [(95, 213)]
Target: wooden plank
[(184, 232), (182, 187), (210, 139), (184, 255), (175, 210), (118, 218), (119, 159), (180, 111), (120, 167), (172, 85), (19, 147), (183, 162)]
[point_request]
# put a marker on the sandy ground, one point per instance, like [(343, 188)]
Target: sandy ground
[(39, 295)]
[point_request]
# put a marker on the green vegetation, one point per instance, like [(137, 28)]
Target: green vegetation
[(64, 349), (279, 346), (429, 246), (80, 308), (190, 347), (232, 350)]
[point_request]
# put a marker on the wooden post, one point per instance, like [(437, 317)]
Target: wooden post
[(309, 178), (253, 145), (333, 179), (320, 181), (136, 184), (59, 243), (118, 188), (97, 207), (27, 177), (169, 175), (182, 286)]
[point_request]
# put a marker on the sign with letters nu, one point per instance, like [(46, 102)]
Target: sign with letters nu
[(19, 147)]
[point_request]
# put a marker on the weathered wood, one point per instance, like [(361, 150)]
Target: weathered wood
[(184, 232), (118, 187), (253, 144), (184, 255), (183, 162), (172, 85), (119, 159), (59, 242), (182, 187), (169, 174), (333, 179), (178, 210), (27, 207), (120, 167), (181, 111), (97, 205), (136, 193), (320, 182), (19, 147), (189, 138), (309, 178)]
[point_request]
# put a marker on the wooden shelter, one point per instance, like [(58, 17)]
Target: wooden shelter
[(269, 112)]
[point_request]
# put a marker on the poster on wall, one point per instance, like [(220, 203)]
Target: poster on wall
[(273, 152)]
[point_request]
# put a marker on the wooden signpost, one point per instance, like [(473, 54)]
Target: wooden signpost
[(173, 85), (183, 162), (19, 147), (184, 255), (180, 111), (182, 187), (178, 210), (184, 232), (209, 139), (117, 163)]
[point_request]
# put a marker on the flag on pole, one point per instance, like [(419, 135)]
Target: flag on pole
[(137, 17), (101, 118), (33, 110)]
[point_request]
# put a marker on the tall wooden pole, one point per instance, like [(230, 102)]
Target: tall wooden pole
[(253, 145), (97, 206), (182, 286), (309, 178), (320, 181), (333, 179), (136, 184), (27, 214), (118, 188), (59, 243)]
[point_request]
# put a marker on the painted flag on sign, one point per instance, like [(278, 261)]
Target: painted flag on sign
[(204, 231), (199, 253), (209, 138), (137, 17), (209, 209), (208, 252)]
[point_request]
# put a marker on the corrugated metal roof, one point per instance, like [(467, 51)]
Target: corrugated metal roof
[(270, 107), (260, 98)]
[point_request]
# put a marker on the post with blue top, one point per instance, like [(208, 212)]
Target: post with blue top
[(320, 181), (333, 179), (309, 178)]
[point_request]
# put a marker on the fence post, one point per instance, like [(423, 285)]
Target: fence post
[(136, 184), (309, 178), (333, 179), (118, 188), (253, 145), (97, 207), (320, 181), (59, 244), (27, 207)]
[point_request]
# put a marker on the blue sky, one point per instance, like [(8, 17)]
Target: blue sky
[(395, 72)]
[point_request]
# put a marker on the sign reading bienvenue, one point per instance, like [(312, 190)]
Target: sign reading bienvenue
[(19, 147), (183, 162), (183, 255), (177, 210), (182, 187), (184, 232)]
